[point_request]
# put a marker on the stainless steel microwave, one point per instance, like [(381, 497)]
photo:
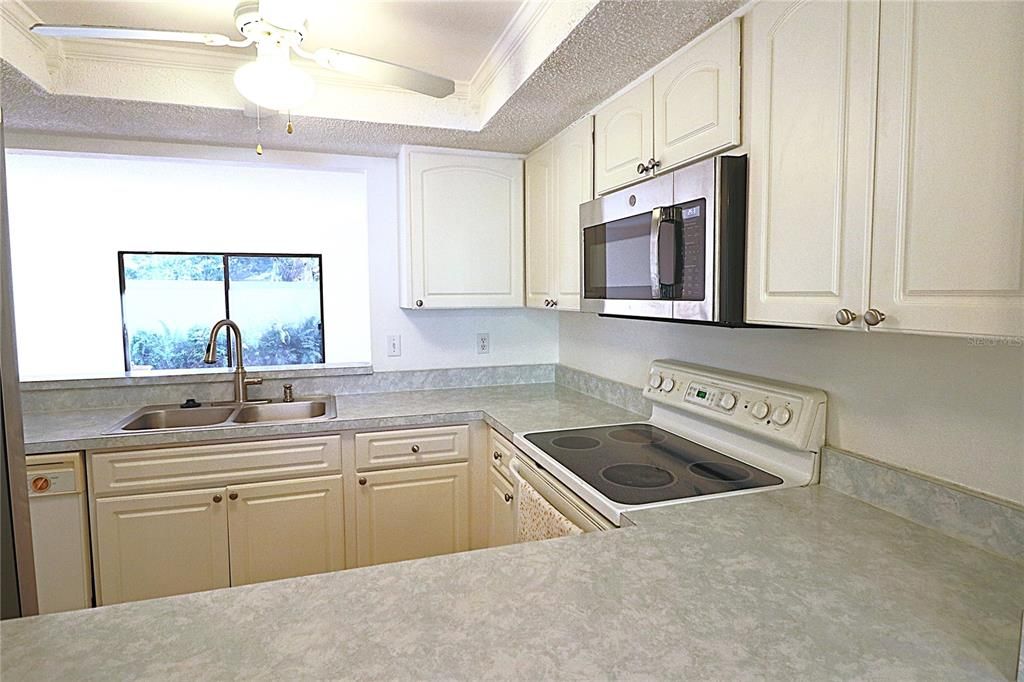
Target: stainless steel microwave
[(670, 248)]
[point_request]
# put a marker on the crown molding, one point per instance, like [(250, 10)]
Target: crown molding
[(510, 40), (20, 18)]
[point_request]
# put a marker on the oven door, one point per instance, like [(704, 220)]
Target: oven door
[(630, 252)]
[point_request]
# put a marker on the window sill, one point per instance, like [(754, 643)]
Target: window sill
[(193, 376)]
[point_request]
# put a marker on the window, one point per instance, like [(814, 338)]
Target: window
[(169, 301)]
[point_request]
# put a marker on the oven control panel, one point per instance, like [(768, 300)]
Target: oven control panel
[(792, 414)]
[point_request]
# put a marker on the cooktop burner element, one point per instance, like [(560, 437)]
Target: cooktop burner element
[(641, 463), (638, 475)]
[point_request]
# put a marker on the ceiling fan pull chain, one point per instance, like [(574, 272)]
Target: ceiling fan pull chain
[(290, 128), (259, 147)]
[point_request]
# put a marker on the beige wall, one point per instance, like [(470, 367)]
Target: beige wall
[(938, 406)]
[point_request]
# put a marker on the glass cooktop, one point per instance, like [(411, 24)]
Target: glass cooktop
[(640, 463)]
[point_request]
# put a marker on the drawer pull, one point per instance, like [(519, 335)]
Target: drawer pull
[(232, 496), (217, 498), (497, 456), (508, 498), (362, 481), (415, 448)]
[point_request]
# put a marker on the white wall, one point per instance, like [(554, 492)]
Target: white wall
[(939, 406)]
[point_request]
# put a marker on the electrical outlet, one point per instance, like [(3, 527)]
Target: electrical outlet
[(394, 345), (483, 344)]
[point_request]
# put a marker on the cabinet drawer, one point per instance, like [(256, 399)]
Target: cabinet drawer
[(411, 447), (500, 453), (196, 466)]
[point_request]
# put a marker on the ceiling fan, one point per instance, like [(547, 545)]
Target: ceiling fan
[(276, 29)]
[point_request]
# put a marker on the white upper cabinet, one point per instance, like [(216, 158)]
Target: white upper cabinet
[(913, 223), (623, 138), (690, 109), (697, 99), (462, 237), (949, 191), (559, 177), (811, 113)]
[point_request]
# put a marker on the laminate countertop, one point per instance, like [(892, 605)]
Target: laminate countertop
[(803, 583)]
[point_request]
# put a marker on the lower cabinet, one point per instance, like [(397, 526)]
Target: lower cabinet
[(161, 544), (412, 513), (501, 529)]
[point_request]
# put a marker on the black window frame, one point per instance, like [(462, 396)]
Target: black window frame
[(126, 351)]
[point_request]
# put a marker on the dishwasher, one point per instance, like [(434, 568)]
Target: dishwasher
[(60, 531)]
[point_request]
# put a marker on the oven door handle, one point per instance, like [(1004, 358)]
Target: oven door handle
[(666, 257)]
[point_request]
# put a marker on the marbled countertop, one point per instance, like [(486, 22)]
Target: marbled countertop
[(804, 583), (509, 409), (793, 584)]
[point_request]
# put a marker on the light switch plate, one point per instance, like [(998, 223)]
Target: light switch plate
[(483, 344), (394, 345)]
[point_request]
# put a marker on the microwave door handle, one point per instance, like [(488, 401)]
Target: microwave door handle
[(656, 218), (666, 263)]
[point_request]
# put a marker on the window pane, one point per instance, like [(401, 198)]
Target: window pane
[(170, 302), (275, 300)]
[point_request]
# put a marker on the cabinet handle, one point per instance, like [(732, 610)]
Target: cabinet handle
[(232, 496), (419, 304), (217, 498), (845, 316), (508, 498), (362, 481), (415, 448), (497, 456), (873, 317)]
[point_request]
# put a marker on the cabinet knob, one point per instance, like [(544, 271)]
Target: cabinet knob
[(874, 317), (845, 316), (419, 303), (217, 498), (641, 168), (497, 456), (508, 498), (362, 481), (554, 303), (232, 496), (415, 448)]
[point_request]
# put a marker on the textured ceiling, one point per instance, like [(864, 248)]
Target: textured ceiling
[(447, 37), (617, 42)]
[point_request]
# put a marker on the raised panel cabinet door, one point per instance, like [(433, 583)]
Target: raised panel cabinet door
[(465, 216), (811, 111), (541, 260), (949, 195), (501, 529), (574, 185), (624, 138), (161, 544), (697, 99), (284, 529), (412, 513)]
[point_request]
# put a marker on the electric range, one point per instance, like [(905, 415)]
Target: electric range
[(712, 433)]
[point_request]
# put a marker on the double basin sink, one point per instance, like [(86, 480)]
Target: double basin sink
[(164, 417)]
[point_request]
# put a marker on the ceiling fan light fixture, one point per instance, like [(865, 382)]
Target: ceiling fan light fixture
[(272, 81)]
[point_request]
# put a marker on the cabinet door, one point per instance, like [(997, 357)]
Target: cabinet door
[(503, 514), (464, 217), (158, 545), (541, 261), (623, 138), (412, 513), (574, 185), (813, 70), (284, 529), (949, 195), (697, 99)]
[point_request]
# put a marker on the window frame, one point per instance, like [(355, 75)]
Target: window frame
[(126, 350)]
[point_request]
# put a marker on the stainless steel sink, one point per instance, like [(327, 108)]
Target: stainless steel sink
[(166, 417), (282, 412), (177, 418)]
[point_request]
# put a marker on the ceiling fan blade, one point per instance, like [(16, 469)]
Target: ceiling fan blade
[(380, 71), (124, 33)]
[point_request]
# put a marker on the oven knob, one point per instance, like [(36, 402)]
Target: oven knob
[(782, 415), (668, 385), (760, 409), (727, 401), (655, 381)]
